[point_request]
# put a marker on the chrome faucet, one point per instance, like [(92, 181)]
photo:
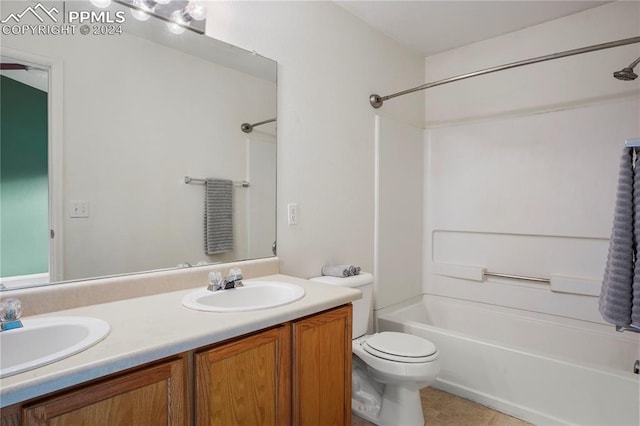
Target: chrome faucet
[(216, 282), (10, 313)]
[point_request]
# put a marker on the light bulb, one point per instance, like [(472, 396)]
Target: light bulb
[(140, 15), (145, 5), (197, 10), (180, 17), (175, 28), (101, 3), (140, 10)]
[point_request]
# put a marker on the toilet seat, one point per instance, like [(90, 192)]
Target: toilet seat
[(392, 368), (399, 347)]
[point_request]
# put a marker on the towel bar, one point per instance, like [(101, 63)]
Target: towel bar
[(189, 179), (628, 328), (518, 277), (632, 143)]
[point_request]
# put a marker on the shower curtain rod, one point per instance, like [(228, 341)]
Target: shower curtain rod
[(248, 128), (376, 101)]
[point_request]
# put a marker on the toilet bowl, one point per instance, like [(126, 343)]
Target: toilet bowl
[(389, 368), (403, 364)]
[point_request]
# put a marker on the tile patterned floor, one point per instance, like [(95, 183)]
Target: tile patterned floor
[(443, 409)]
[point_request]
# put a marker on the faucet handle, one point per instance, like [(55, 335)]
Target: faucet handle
[(10, 313), (10, 309), (215, 281), (215, 277), (235, 278), (235, 273)]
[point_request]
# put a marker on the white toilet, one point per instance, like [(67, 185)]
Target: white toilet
[(389, 368)]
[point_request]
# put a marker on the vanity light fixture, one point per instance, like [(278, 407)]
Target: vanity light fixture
[(194, 10), (176, 28), (140, 15), (178, 14), (144, 8), (141, 10), (101, 3)]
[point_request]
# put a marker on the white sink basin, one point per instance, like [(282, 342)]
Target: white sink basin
[(255, 295), (45, 340)]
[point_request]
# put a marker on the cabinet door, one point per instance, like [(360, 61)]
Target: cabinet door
[(10, 416), (149, 396), (322, 368), (246, 381)]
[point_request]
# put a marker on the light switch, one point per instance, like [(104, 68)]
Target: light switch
[(292, 214), (79, 209)]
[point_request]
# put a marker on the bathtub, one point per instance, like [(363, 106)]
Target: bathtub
[(541, 368)]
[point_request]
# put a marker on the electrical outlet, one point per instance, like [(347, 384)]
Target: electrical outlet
[(79, 209), (292, 214)]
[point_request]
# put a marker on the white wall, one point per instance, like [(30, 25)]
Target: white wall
[(329, 64), (138, 117), (522, 164), (549, 85)]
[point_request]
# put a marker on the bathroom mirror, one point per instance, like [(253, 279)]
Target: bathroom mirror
[(132, 109)]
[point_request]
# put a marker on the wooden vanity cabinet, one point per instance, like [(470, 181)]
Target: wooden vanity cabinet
[(300, 369), (245, 381), (296, 373), (322, 368), (151, 396)]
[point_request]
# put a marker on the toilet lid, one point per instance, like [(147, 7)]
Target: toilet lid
[(400, 347)]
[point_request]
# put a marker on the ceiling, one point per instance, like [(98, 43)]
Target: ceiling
[(430, 27)]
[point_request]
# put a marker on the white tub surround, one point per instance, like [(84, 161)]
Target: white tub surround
[(542, 368), (149, 328), (520, 180), (398, 240)]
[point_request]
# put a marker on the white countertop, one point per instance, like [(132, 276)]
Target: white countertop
[(146, 329)]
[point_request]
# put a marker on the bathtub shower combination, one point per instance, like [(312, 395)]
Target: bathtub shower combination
[(546, 368), (538, 367)]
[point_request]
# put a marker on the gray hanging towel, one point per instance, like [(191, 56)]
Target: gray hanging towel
[(616, 296), (218, 216), (635, 293)]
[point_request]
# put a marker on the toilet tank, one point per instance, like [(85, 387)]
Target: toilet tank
[(362, 308)]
